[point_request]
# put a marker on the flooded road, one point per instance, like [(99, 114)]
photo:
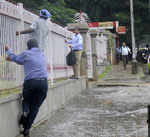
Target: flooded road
[(101, 112)]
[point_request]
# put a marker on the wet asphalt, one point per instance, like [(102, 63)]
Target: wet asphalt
[(101, 112), (115, 111)]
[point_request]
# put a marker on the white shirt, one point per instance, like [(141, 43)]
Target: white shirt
[(125, 50), (77, 42), (41, 32)]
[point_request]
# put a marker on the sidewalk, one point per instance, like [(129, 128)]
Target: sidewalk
[(120, 77)]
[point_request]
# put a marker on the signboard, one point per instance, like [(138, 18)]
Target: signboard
[(93, 24), (121, 30), (104, 25)]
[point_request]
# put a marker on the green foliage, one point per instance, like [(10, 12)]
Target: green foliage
[(105, 72), (107, 10), (60, 14), (97, 10)]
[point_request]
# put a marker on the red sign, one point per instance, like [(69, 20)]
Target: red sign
[(93, 24), (103, 25), (121, 30)]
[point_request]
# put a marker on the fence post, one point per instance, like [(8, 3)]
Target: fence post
[(20, 7), (20, 40), (50, 58), (148, 121), (3, 0)]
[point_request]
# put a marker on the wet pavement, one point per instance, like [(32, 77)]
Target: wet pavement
[(102, 112)]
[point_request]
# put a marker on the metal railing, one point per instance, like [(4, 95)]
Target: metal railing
[(14, 18)]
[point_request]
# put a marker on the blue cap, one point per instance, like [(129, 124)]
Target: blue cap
[(45, 13)]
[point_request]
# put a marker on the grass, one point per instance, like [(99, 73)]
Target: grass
[(105, 72), (10, 92), (8, 87), (140, 75)]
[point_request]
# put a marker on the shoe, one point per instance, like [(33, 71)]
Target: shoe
[(72, 77), (22, 121), (76, 78), (26, 133)]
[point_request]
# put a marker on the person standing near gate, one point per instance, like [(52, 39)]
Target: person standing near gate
[(125, 52), (77, 47), (35, 85), (39, 29)]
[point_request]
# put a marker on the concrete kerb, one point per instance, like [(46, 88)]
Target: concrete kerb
[(16, 96), (57, 98), (9, 98)]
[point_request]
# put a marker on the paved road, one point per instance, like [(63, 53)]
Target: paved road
[(102, 112)]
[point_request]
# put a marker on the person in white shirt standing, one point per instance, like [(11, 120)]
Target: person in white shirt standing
[(125, 52), (77, 47)]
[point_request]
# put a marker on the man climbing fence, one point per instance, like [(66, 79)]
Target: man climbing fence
[(39, 29)]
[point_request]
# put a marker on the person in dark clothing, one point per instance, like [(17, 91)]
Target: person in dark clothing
[(118, 52), (147, 57), (35, 82), (148, 52)]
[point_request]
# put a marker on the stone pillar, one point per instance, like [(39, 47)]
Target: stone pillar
[(94, 55), (83, 31), (114, 49), (111, 49)]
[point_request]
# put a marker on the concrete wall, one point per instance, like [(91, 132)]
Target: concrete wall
[(57, 97)]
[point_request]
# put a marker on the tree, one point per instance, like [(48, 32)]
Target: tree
[(60, 14), (97, 10), (106, 10)]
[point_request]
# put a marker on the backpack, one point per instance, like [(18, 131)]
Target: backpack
[(71, 58)]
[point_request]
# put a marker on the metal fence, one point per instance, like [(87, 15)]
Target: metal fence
[(13, 18)]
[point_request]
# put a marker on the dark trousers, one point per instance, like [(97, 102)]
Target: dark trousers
[(125, 60), (34, 93), (117, 58)]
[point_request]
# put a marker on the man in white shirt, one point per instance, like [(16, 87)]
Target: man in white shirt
[(39, 29), (77, 47), (125, 52)]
